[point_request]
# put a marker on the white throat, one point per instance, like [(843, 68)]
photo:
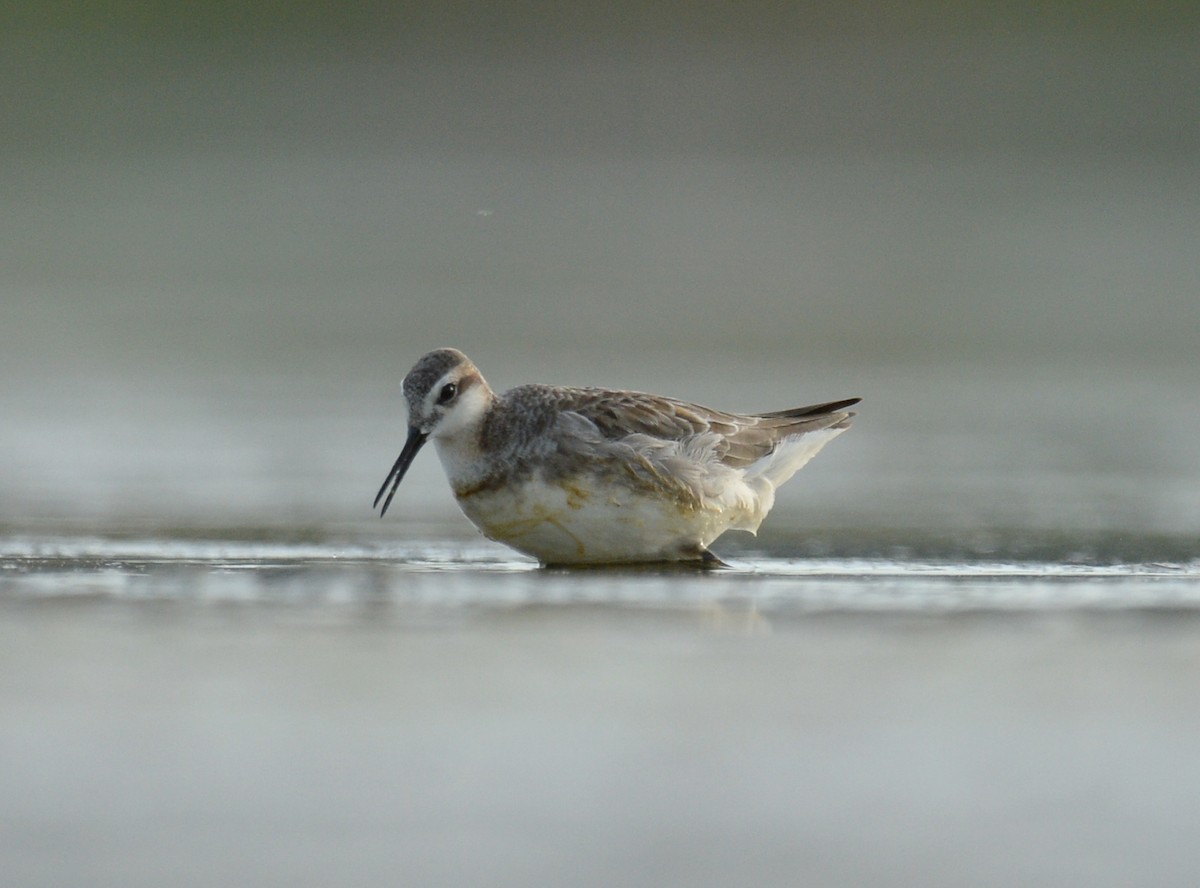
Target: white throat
[(456, 437)]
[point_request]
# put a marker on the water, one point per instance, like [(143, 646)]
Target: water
[(961, 651), (475, 577), (439, 712)]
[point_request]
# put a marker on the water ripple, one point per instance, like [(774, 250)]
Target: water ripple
[(477, 574)]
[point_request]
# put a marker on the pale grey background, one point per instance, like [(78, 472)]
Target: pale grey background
[(225, 234), (225, 237)]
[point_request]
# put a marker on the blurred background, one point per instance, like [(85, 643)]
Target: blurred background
[(227, 233), (227, 230)]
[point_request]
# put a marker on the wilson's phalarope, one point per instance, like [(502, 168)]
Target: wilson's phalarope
[(591, 476)]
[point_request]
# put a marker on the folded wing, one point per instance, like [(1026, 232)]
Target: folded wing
[(740, 440)]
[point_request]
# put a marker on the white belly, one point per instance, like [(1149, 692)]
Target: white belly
[(574, 523)]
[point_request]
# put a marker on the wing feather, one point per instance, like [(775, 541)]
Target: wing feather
[(740, 440)]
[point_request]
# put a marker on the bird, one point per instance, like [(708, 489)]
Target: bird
[(594, 476)]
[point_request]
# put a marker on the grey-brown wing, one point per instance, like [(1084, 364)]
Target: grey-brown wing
[(741, 439), (619, 413)]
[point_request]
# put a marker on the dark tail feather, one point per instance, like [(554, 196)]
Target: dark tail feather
[(813, 410)]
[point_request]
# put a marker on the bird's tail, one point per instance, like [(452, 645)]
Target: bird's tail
[(802, 431)]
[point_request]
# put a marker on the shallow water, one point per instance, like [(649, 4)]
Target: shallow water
[(480, 577), (435, 711)]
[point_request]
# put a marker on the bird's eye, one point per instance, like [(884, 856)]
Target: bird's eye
[(446, 395)]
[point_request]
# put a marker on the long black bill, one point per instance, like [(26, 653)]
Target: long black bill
[(415, 439)]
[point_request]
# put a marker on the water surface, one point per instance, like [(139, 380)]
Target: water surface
[(436, 711)]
